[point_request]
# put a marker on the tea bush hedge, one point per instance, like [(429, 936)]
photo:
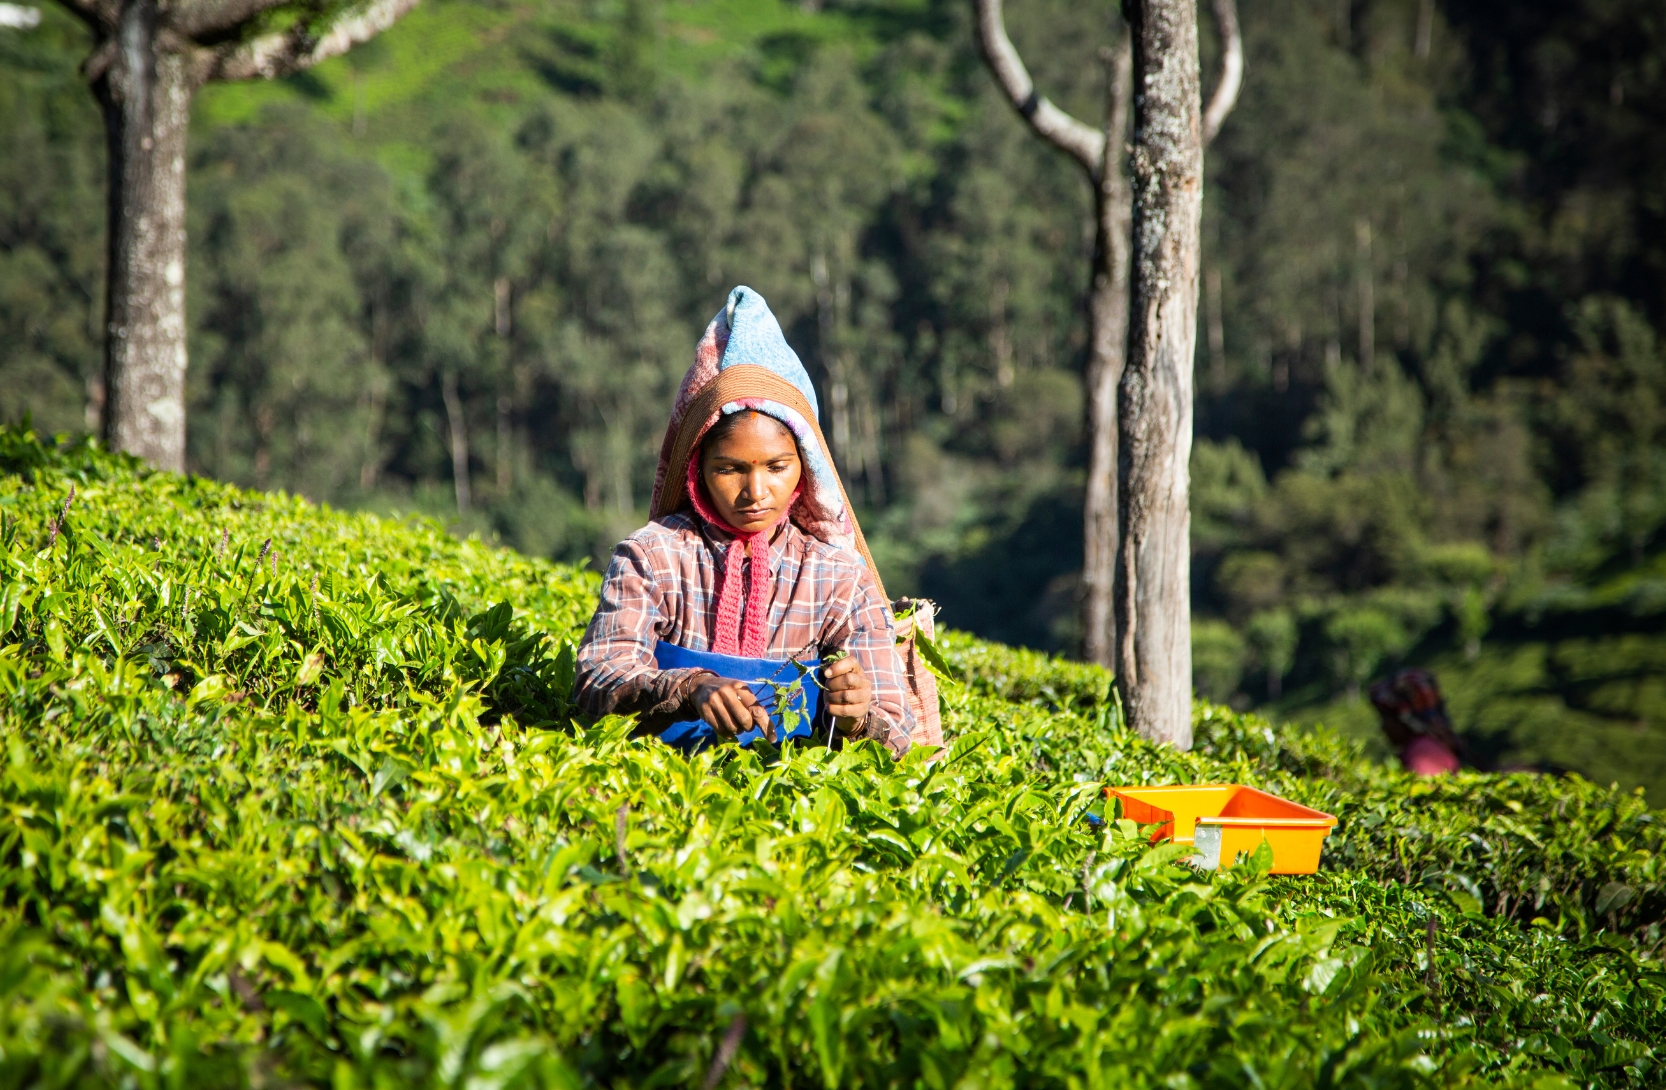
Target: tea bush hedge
[(293, 797)]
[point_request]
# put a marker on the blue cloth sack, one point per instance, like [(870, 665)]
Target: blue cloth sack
[(693, 735)]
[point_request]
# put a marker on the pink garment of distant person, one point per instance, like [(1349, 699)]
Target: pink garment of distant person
[(1423, 756)]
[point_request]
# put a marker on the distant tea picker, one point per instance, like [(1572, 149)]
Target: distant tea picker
[(1413, 715), (749, 606)]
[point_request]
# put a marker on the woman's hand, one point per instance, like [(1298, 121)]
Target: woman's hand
[(848, 694), (731, 708)]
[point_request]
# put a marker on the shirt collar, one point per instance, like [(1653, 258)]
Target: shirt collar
[(787, 536)]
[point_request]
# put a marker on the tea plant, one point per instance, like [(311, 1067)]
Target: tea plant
[(1546, 851), (295, 797)]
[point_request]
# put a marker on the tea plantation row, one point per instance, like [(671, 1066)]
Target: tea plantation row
[(290, 797)]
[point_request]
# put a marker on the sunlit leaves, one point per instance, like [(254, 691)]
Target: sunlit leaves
[(257, 827)]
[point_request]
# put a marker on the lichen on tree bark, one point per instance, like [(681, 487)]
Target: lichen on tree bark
[(146, 96), (1100, 153), (1153, 592), (149, 60)]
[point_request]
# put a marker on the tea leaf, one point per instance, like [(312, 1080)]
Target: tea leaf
[(338, 825), (934, 658)]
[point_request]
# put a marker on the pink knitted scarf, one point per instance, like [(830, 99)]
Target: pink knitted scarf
[(729, 637)]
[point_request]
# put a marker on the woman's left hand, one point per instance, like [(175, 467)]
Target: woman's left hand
[(849, 693)]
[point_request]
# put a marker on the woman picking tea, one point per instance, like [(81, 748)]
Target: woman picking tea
[(752, 571)]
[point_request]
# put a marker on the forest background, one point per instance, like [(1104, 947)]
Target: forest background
[(460, 271)]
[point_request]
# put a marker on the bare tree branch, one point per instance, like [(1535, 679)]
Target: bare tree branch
[(1232, 69), (98, 61), (198, 18), (273, 55), (1082, 142)]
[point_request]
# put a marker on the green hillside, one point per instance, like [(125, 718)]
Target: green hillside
[(1430, 370), (292, 797), (502, 58), (447, 46)]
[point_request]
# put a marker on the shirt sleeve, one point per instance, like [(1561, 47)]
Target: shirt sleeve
[(617, 674), (871, 640)]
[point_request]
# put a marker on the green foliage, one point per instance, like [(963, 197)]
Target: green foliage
[(1481, 836), (258, 828), (1430, 381), (51, 176), (1271, 634), (1217, 658)]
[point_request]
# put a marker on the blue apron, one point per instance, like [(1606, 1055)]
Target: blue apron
[(693, 735)]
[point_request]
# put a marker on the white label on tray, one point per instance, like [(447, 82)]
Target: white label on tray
[(1207, 840)]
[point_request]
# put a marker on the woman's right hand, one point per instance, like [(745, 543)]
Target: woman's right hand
[(731, 708)]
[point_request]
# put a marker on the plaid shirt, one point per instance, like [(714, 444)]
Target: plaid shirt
[(663, 585)]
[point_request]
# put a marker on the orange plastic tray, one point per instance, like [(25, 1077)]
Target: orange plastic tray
[(1223, 819)]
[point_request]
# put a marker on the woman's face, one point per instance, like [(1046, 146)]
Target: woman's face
[(751, 472)]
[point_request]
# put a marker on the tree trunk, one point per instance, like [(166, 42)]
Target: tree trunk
[(1153, 592), (1367, 296), (150, 58), (458, 427), (1172, 174), (1108, 345), (146, 95), (1217, 326), (505, 478)]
